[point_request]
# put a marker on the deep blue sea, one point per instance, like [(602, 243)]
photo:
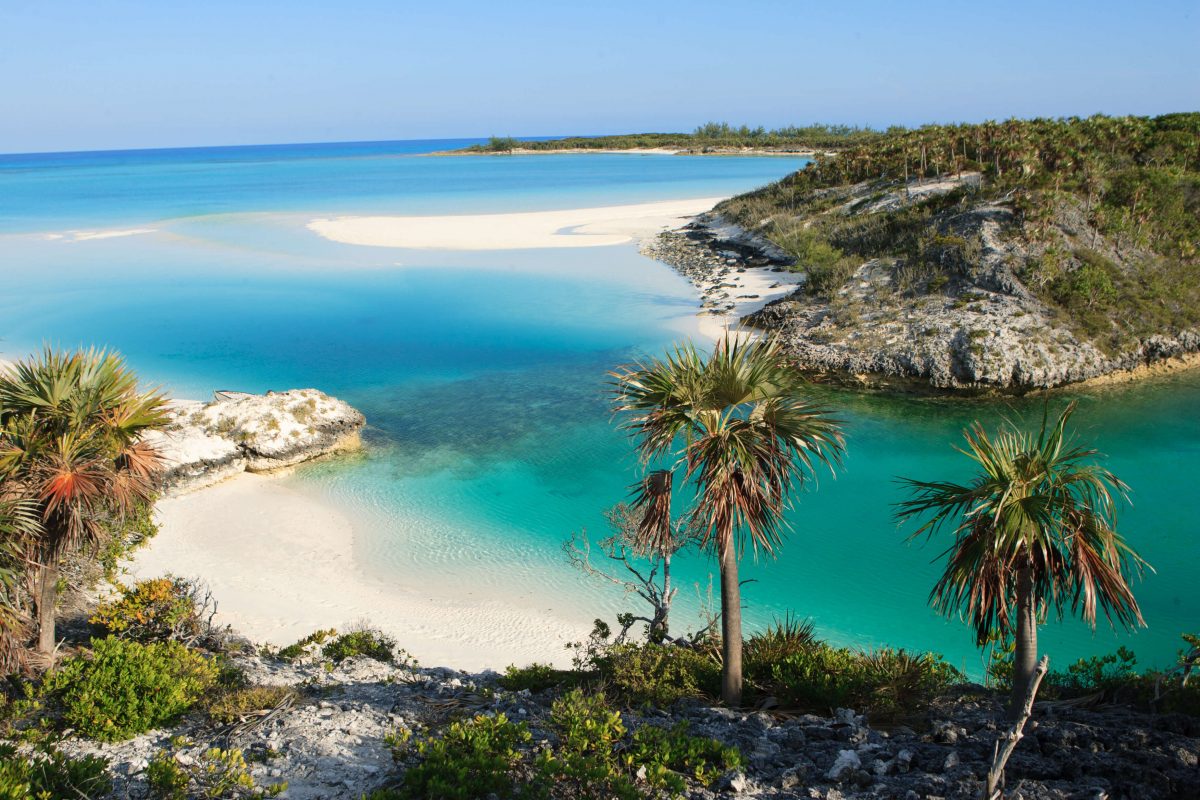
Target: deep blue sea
[(482, 374)]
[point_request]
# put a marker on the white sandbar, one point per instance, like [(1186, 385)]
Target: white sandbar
[(579, 227)]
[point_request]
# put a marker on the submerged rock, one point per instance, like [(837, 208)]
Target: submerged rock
[(236, 432)]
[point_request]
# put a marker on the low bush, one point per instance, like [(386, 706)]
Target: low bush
[(537, 678), (472, 759), (123, 688), (779, 640), (585, 763), (885, 683), (160, 609), (214, 775), (48, 773), (675, 749), (658, 675), (306, 645), (235, 704), (592, 755), (365, 642)]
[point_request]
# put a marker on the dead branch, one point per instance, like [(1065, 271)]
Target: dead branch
[(1005, 745)]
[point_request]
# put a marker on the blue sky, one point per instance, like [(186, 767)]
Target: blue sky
[(97, 74)]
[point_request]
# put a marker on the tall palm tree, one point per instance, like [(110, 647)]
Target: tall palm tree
[(738, 425), (70, 443), (1033, 529)]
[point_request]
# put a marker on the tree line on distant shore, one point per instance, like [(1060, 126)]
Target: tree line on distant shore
[(711, 135)]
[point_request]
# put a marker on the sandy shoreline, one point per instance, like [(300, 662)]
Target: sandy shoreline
[(579, 227), (281, 564)]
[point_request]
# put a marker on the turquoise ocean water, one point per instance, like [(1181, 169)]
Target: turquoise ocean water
[(483, 374)]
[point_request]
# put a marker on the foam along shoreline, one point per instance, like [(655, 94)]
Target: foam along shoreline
[(281, 565), (580, 227)]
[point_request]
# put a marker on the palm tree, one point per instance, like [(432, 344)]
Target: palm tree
[(1034, 528), (18, 527), (70, 444), (738, 425)]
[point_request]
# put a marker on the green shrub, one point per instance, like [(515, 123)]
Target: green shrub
[(123, 688), (536, 678), (472, 759), (215, 775), (676, 750), (658, 675), (369, 643), (885, 683), (159, 609), (778, 641), (48, 773), (234, 704), (585, 761), (297, 649), (123, 537), (1107, 673)]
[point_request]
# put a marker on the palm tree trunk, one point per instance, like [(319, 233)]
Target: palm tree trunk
[(731, 623), (1025, 655), (47, 595)]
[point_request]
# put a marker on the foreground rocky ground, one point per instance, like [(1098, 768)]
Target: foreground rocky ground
[(329, 741)]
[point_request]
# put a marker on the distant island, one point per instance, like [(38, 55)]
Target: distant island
[(713, 138), (1002, 256)]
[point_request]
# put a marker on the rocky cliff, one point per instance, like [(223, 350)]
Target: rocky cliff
[(963, 314), (236, 432)]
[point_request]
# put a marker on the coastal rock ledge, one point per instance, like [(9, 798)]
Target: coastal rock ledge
[(205, 443)]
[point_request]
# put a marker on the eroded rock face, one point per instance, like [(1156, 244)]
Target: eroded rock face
[(208, 442), (983, 331)]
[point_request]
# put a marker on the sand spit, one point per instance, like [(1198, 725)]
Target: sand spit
[(580, 227)]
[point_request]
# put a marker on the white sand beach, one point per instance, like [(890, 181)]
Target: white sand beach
[(281, 564), (579, 227), (751, 290)]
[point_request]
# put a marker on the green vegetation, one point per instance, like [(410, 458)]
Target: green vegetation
[(215, 774), (1108, 208), (364, 642), (786, 662), (658, 675), (48, 773), (886, 684), (593, 756), (304, 646), (471, 759), (536, 678), (1036, 525), (237, 703), (737, 425), (123, 688), (712, 136), (70, 445), (159, 609)]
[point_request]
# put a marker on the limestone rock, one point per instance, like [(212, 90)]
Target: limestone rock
[(207, 442)]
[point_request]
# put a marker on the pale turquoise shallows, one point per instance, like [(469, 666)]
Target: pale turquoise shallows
[(483, 374)]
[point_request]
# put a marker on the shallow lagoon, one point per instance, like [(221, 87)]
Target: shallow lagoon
[(483, 374)]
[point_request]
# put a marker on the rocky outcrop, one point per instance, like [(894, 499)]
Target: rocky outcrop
[(236, 432), (330, 742), (978, 330), (734, 274)]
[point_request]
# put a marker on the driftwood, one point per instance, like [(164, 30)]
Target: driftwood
[(994, 789)]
